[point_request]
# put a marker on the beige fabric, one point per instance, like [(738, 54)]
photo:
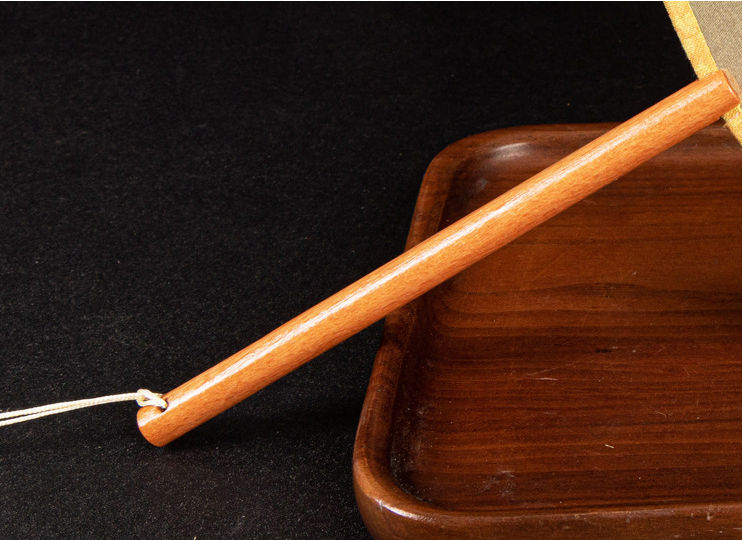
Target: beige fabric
[(711, 34), (721, 26)]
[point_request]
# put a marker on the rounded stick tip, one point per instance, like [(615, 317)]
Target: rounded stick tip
[(732, 82), (149, 430)]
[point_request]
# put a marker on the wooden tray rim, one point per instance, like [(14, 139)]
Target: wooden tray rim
[(388, 510)]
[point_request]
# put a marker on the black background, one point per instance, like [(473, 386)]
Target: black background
[(178, 180)]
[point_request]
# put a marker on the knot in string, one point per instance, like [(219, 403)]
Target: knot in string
[(147, 398)]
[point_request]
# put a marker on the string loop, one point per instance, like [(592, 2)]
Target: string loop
[(144, 397)]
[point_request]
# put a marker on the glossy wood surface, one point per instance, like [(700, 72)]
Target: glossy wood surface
[(584, 381), (431, 262)]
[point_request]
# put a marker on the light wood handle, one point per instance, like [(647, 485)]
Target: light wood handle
[(439, 258)]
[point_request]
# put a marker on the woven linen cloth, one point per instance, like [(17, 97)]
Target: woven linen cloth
[(711, 34)]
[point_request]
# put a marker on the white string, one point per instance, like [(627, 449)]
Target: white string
[(143, 397)]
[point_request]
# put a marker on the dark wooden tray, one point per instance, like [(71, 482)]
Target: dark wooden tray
[(584, 381)]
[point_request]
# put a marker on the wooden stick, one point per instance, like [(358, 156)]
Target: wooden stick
[(439, 258)]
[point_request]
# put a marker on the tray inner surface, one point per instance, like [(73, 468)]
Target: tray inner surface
[(596, 360)]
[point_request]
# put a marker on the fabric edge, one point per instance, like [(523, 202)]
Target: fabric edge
[(697, 50)]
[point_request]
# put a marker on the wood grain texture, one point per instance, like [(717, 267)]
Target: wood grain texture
[(583, 382), (445, 254)]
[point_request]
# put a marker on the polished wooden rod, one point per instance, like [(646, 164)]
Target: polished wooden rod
[(440, 257)]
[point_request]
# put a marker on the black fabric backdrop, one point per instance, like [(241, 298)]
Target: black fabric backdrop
[(178, 180)]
